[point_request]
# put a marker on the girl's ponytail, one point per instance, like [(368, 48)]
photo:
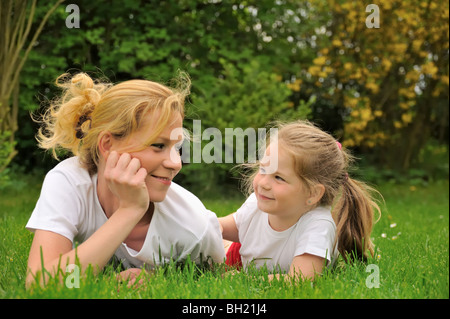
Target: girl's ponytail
[(353, 213)]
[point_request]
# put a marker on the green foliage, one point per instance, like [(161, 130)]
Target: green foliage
[(430, 166), (6, 149), (246, 98), (252, 62)]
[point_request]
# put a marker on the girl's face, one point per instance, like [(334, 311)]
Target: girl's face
[(161, 158), (280, 192)]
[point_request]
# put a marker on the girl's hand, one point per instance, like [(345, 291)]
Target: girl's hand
[(126, 180)]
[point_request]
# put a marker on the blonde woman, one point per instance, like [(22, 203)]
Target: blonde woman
[(115, 197)]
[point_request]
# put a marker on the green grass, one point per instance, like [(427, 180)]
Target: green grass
[(412, 240)]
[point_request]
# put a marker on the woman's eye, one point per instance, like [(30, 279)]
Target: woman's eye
[(158, 145), (178, 146)]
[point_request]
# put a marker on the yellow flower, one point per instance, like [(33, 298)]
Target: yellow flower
[(320, 60), (336, 43), (400, 47), (295, 86), (314, 70), (412, 75), (416, 44), (403, 105), (409, 93), (328, 69), (407, 118), (366, 114), (353, 102), (370, 144), (373, 87), (429, 68), (386, 64)]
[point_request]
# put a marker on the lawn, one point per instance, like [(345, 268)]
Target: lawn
[(412, 240)]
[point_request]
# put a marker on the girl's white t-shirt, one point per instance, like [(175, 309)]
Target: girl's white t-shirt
[(181, 225), (314, 233)]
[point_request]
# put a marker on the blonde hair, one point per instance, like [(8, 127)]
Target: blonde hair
[(320, 159), (86, 109)]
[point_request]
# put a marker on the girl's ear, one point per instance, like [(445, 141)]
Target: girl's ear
[(105, 142), (316, 194)]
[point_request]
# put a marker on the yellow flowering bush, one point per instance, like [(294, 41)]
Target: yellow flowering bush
[(391, 82)]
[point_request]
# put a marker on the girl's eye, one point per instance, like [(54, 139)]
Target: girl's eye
[(279, 178), (262, 170)]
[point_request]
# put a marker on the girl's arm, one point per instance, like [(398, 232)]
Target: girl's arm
[(307, 266), (304, 267), (229, 228)]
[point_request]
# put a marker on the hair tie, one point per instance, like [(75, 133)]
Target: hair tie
[(339, 145), (79, 132)]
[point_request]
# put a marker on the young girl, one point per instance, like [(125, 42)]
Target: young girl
[(306, 211), (116, 197)]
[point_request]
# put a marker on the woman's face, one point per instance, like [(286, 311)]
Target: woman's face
[(161, 158)]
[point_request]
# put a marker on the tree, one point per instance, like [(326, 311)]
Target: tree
[(16, 18), (390, 83)]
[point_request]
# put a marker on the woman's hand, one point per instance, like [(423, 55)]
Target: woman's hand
[(126, 180), (130, 275)]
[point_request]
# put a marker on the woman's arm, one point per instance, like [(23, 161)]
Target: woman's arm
[(126, 179), (57, 251), (229, 228)]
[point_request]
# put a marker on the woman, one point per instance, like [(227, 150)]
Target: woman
[(115, 196)]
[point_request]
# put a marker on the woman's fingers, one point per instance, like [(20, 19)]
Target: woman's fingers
[(126, 180), (123, 168)]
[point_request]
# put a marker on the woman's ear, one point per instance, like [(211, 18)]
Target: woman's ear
[(316, 194), (105, 142)]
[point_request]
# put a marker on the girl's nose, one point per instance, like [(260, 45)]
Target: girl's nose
[(264, 181)]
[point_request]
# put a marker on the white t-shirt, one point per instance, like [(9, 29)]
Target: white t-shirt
[(314, 233), (181, 225)]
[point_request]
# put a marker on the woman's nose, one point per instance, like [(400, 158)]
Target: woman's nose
[(173, 161)]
